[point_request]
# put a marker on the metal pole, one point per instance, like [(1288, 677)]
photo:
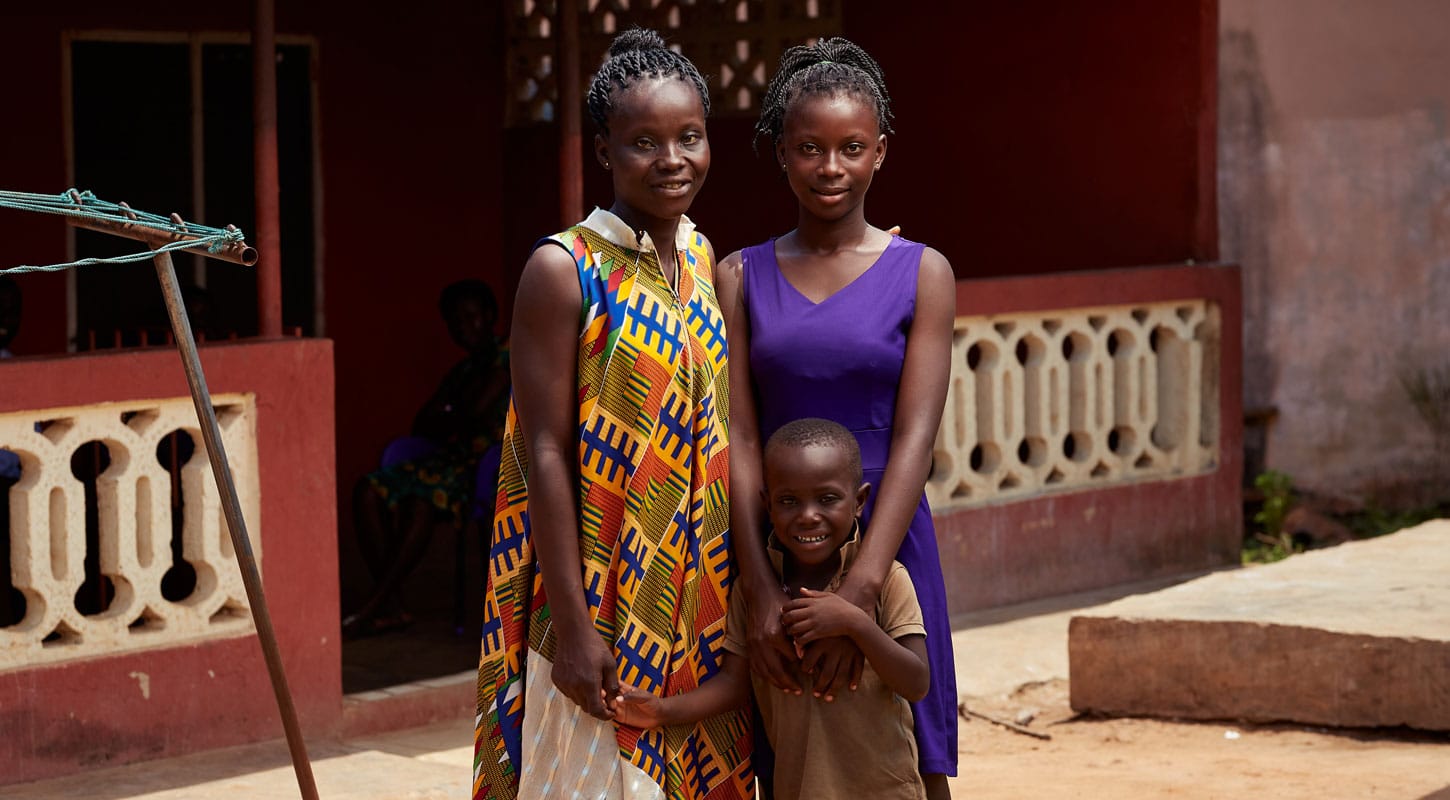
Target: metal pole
[(235, 252), (236, 525), (571, 156), (264, 157)]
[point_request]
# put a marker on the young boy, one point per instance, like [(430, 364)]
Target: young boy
[(859, 744)]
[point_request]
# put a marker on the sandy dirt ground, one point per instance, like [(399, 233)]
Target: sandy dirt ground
[(1131, 758)]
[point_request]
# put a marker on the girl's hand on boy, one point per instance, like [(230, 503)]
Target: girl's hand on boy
[(636, 707), (833, 664), (772, 655)]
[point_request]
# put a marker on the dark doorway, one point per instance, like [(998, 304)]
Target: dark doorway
[(138, 140)]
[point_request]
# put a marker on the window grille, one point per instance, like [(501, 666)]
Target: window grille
[(735, 43)]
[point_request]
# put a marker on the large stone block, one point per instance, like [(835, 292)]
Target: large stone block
[(1358, 635)]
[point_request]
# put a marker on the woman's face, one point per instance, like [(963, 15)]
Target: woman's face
[(470, 323), (831, 147), (656, 149)]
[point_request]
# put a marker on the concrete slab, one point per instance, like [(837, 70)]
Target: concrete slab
[(1356, 635), (998, 650)]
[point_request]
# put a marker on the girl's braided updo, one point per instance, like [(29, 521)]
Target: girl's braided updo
[(634, 55), (826, 67)]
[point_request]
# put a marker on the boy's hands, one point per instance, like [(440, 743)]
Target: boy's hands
[(818, 615), (822, 624), (636, 707)]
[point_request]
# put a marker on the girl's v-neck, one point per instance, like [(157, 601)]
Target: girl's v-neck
[(858, 279)]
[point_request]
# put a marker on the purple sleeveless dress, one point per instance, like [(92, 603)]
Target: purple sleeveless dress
[(841, 359)]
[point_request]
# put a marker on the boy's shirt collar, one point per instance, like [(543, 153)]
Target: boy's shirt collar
[(608, 224), (776, 552)]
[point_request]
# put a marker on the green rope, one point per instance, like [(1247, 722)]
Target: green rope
[(85, 205)]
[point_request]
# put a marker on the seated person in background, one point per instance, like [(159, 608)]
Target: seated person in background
[(10, 600), (394, 508), (9, 313), (857, 744)]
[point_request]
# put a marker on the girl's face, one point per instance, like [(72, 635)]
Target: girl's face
[(656, 150), (831, 147)]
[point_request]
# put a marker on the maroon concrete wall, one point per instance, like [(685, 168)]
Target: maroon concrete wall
[(1076, 540), (412, 148), (1040, 135), (90, 713)]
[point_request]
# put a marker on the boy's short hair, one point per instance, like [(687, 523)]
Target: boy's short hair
[(817, 432)]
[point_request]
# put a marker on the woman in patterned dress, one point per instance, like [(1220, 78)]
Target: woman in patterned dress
[(610, 556)]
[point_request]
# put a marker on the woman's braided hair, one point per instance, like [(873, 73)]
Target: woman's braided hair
[(826, 67), (636, 54)]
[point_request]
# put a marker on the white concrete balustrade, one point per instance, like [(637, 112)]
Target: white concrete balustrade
[(134, 512), (1077, 399), (1038, 402)]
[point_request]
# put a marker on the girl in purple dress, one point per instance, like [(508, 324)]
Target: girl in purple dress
[(840, 319)]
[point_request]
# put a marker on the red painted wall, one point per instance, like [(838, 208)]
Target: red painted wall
[(1041, 135), (1072, 541), (84, 714), (411, 151)]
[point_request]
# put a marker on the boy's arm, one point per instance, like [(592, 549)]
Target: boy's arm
[(901, 663), (726, 691), (904, 666)]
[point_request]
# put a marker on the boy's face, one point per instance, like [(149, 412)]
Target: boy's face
[(813, 499)]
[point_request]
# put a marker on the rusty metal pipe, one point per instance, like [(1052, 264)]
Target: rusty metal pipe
[(235, 252), (264, 156), (236, 525)]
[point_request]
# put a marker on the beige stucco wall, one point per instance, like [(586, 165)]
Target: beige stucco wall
[(1334, 195)]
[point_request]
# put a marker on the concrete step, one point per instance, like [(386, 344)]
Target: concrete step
[(1355, 636)]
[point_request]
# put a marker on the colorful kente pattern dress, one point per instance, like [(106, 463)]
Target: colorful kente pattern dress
[(653, 537)]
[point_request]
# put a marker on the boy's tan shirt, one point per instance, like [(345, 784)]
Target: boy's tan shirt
[(861, 745)]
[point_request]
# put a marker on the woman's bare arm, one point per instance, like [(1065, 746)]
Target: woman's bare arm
[(919, 402), (771, 654), (545, 340)]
